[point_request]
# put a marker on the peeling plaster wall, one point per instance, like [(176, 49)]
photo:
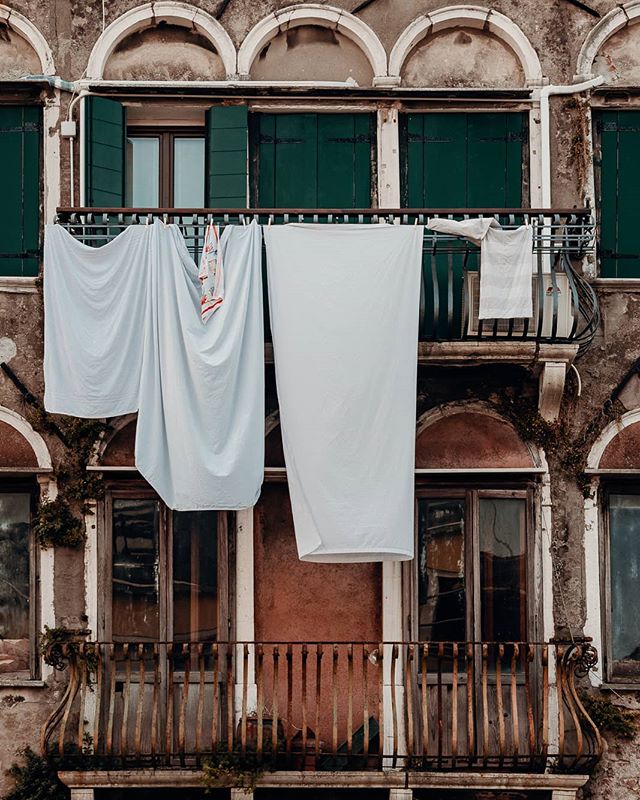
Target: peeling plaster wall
[(17, 57)]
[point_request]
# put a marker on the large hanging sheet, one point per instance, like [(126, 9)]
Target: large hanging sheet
[(123, 332), (344, 307)]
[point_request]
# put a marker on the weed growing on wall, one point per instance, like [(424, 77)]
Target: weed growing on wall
[(34, 779)]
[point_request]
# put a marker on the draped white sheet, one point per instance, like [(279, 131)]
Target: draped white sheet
[(344, 304), (123, 333)]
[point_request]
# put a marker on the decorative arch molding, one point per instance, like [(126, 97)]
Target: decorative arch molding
[(37, 443), (176, 13), (103, 442), (611, 23), (471, 17), (26, 29), (612, 430), (313, 14)]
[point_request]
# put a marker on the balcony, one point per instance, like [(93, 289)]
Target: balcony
[(324, 707)]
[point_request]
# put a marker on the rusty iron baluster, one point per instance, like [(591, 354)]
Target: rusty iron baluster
[(514, 703), (409, 698), (485, 705), (184, 700), (170, 688), (454, 704), (289, 701), (305, 653), (319, 653), (124, 730), (200, 710), (245, 688), (155, 700), (394, 703), (471, 703), (274, 704), (112, 698), (425, 703), (440, 703), (500, 704), (215, 706), (69, 655), (527, 657), (559, 694), (545, 700), (350, 700), (365, 704), (334, 693), (99, 691), (140, 706), (260, 698), (230, 682), (82, 665)]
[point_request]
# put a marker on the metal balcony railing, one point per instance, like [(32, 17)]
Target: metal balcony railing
[(565, 305), (324, 706)]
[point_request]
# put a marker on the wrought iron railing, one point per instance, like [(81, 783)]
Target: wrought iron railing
[(324, 706), (565, 305)]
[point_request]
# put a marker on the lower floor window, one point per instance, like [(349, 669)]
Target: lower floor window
[(17, 581)]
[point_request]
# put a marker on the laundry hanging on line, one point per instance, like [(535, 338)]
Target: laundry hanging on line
[(344, 304), (123, 333), (506, 264)]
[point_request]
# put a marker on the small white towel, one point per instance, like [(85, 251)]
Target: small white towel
[(211, 274), (506, 264)]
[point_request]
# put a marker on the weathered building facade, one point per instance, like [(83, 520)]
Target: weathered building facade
[(177, 641)]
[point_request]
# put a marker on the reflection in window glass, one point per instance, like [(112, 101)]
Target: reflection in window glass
[(143, 172), (624, 561), (15, 520), (136, 560), (188, 172), (442, 592), (195, 589), (503, 569)]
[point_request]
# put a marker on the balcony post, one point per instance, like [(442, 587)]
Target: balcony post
[(245, 610), (392, 631), (85, 794)]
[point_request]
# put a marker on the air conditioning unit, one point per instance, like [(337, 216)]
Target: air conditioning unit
[(564, 318)]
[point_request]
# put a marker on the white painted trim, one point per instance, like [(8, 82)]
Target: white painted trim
[(593, 578), (388, 142), (46, 575), (313, 14), (392, 631), (468, 16), (245, 610), (51, 157), (175, 13), (36, 441), (103, 443), (15, 21), (608, 435), (91, 568), (618, 18)]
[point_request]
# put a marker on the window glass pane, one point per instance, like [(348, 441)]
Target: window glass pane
[(15, 520), (503, 569), (136, 560), (624, 536), (195, 585), (188, 173), (442, 592), (143, 172)]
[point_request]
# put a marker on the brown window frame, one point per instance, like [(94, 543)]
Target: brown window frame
[(167, 137), (139, 489)]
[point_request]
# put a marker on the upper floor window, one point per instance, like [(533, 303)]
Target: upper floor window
[(20, 132)]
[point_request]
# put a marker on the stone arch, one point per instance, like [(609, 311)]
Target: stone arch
[(313, 14), (469, 17), (28, 31), (24, 443), (472, 436), (612, 23), (117, 448), (617, 447), (172, 13)]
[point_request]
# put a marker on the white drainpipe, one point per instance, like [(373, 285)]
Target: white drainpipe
[(545, 93)]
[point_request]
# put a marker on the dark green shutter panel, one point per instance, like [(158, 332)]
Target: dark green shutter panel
[(105, 152), (227, 157), (459, 161), (20, 128), (619, 194), (312, 160)]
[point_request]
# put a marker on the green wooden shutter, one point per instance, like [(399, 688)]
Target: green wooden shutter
[(227, 157), (312, 160), (460, 160), (20, 132), (619, 192), (105, 152)]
